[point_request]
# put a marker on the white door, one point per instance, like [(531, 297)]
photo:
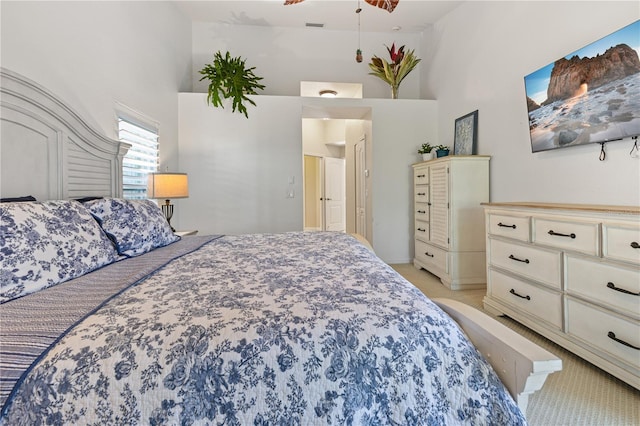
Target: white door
[(334, 194), (360, 189)]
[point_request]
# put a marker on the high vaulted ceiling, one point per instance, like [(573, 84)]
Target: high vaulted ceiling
[(410, 16)]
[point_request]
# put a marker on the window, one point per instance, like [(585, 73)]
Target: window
[(142, 157)]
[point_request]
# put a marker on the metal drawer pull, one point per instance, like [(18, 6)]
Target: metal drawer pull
[(611, 335), (422, 211), (422, 193), (422, 230), (635, 245), (506, 226), (428, 254), (512, 257), (561, 235), (512, 291), (421, 176), (612, 286)]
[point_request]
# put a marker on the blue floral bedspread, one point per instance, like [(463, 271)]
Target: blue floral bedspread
[(267, 329)]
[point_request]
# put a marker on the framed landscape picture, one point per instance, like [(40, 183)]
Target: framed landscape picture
[(466, 134)]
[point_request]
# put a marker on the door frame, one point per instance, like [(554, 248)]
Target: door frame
[(360, 185)]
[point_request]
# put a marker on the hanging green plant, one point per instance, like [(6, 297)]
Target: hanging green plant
[(229, 78)]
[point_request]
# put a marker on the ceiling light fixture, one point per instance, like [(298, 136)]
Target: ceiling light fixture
[(328, 93)]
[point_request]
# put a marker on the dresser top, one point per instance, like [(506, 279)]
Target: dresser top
[(601, 208), (452, 157)]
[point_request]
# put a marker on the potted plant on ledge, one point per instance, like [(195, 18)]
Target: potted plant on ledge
[(442, 151), (230, 78), (427, 152)]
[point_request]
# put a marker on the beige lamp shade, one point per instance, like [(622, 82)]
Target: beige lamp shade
[(167, 185)]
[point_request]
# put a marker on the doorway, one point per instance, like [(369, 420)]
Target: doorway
[(334, 131), (324, 193)]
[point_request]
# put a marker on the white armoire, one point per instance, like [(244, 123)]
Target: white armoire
[(449, 219)]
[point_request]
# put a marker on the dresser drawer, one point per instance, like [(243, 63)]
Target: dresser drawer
[(532, 262), (421, 194), (422, 230), (421, 176), (621, 242), (617, 287), (540, 302), (422, 211), (579, 236), (599, 329), (432, 256), (516, 227)]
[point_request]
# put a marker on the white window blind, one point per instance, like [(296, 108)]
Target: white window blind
[(141, 159)]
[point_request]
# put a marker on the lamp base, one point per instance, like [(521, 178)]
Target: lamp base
[(167, 210)]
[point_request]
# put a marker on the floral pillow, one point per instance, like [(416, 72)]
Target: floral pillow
[(46, 243), (135, 226)]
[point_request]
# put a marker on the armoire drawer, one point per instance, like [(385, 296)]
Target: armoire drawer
[(422, 230), (583, 237), (604, 283), (621, 242), (432, 256), (422, 211), (516, 227), (422, 194), (535, 300), (532, 262), (610, 333), (420, 176)]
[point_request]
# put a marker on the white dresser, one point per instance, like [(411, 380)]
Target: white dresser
[(449, 221), (571, 273)]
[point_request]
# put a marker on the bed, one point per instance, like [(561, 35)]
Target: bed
[(109, 318)]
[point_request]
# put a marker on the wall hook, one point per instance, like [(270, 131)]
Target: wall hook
[(635, 150)]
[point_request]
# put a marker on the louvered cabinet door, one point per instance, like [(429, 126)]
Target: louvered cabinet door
[(439, 178)]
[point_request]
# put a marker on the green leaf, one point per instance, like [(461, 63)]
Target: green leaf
[(229, 78)]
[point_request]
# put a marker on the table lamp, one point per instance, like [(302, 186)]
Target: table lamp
[(167, 186)]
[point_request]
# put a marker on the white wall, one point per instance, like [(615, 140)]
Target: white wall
[(93, 54), (318, 136), (239, 168), (398, 129), (286, 56), (483, 51)]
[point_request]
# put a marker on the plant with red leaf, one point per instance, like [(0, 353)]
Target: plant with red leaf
[(402, 63)]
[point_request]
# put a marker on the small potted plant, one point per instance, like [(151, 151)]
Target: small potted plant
[(427, 152), (442, 151)]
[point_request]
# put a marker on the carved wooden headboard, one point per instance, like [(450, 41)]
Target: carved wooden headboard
[(47, 150)]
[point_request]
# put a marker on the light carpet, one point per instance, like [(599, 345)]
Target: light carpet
[(581, 394)]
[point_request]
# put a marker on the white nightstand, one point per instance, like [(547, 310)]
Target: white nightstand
[(185, 233)]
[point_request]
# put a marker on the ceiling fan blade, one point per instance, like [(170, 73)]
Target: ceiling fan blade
[(388, 5)]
